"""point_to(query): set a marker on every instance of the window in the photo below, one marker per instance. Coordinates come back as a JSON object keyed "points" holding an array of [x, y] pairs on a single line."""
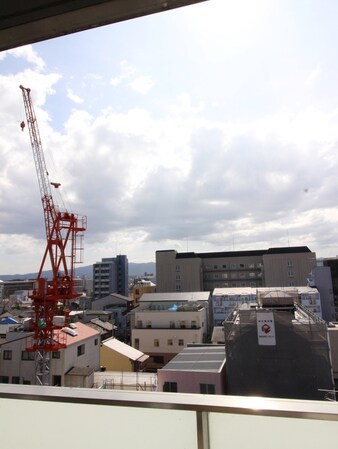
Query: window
{"points": [[215, 267], [7, 354], [139, 323], [170, 342], [290, 273], [56, 381], [178, 268], [207, 388], [180, 342], [182, 324], [15, 380], [290, 263], [156, 343], [178, 287], [80, 350], [232, 266], [193, 324], [137, 343], [4, 379], [148, 324], [27, 355], [291, 283], [96, 342], [178, 277], [56, 355], [241, 265], [170, 386], [172, 325], [158, 359]]}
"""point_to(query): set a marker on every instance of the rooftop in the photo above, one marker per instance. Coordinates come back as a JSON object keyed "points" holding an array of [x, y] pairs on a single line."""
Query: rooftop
{"points": [[201, 358], [250, 253], [175, 297], [126, 350]]}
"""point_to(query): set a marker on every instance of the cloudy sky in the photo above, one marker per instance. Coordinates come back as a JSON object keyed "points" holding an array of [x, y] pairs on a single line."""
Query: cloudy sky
{"points": [[208, 128]]}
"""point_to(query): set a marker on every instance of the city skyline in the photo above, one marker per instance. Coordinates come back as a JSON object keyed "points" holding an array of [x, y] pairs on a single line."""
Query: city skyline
{"points": [[207, 128]]}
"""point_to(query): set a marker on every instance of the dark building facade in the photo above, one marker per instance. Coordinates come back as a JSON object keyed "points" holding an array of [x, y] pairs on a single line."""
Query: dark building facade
{"points": [[277, 351], [110, 276]]}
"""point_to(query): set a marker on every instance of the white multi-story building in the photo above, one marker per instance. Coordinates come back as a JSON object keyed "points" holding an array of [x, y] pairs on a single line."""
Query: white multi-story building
{"points": [[164, 324], [72, 366]]}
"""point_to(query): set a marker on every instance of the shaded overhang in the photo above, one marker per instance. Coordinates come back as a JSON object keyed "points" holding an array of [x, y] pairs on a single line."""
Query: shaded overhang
{"points": [[24, 22]]}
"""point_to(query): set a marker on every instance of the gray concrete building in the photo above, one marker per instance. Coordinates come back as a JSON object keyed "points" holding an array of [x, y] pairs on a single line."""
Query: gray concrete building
{"points": [[110, 276], [273, 267]]}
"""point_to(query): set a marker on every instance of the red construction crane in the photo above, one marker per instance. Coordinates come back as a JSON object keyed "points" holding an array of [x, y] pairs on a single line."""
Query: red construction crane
{"points": [[64, 234]]}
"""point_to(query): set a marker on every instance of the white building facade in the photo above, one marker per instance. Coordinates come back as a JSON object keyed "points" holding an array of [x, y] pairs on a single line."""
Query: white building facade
{"points": [[82, 354], [164, 324]]}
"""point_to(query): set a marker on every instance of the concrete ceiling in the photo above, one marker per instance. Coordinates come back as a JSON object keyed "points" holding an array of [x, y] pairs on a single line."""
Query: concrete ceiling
{"points": [[26, 21]]}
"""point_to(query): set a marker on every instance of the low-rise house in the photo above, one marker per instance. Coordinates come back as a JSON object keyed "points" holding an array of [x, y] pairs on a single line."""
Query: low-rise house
{"points": [[119, 307], [197, 369], [142, 286], [72, 366], [105, 328], [118, 356]]}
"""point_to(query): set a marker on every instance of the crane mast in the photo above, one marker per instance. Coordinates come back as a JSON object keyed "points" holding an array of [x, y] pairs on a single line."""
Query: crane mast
{"points": [[64, 236]]}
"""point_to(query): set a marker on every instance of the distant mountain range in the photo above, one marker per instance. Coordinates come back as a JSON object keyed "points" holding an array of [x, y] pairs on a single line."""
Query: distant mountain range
{"points": [[135, 270]]}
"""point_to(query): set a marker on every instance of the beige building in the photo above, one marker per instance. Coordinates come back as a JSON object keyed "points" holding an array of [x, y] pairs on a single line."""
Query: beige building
{"points": [[117, 356], [142, 286], [274, 267], [164, 324]]}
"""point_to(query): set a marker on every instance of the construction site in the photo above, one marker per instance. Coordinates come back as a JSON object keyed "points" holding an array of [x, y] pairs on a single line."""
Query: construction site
{"points": [[278, 349]]}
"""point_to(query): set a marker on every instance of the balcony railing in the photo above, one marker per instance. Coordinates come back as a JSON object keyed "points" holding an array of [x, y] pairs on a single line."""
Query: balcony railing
{"points": [[50, 417]]}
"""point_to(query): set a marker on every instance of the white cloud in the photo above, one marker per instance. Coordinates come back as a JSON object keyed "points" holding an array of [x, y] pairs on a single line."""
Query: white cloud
{"points": [[73, 97], [233, 151], [29, 54], [142, 84], [313, 76], [126, 72]]}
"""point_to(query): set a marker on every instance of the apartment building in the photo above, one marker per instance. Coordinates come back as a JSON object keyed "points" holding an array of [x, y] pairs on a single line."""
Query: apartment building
{"points": [[164, 324], [110, 276], [274, 267]]}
